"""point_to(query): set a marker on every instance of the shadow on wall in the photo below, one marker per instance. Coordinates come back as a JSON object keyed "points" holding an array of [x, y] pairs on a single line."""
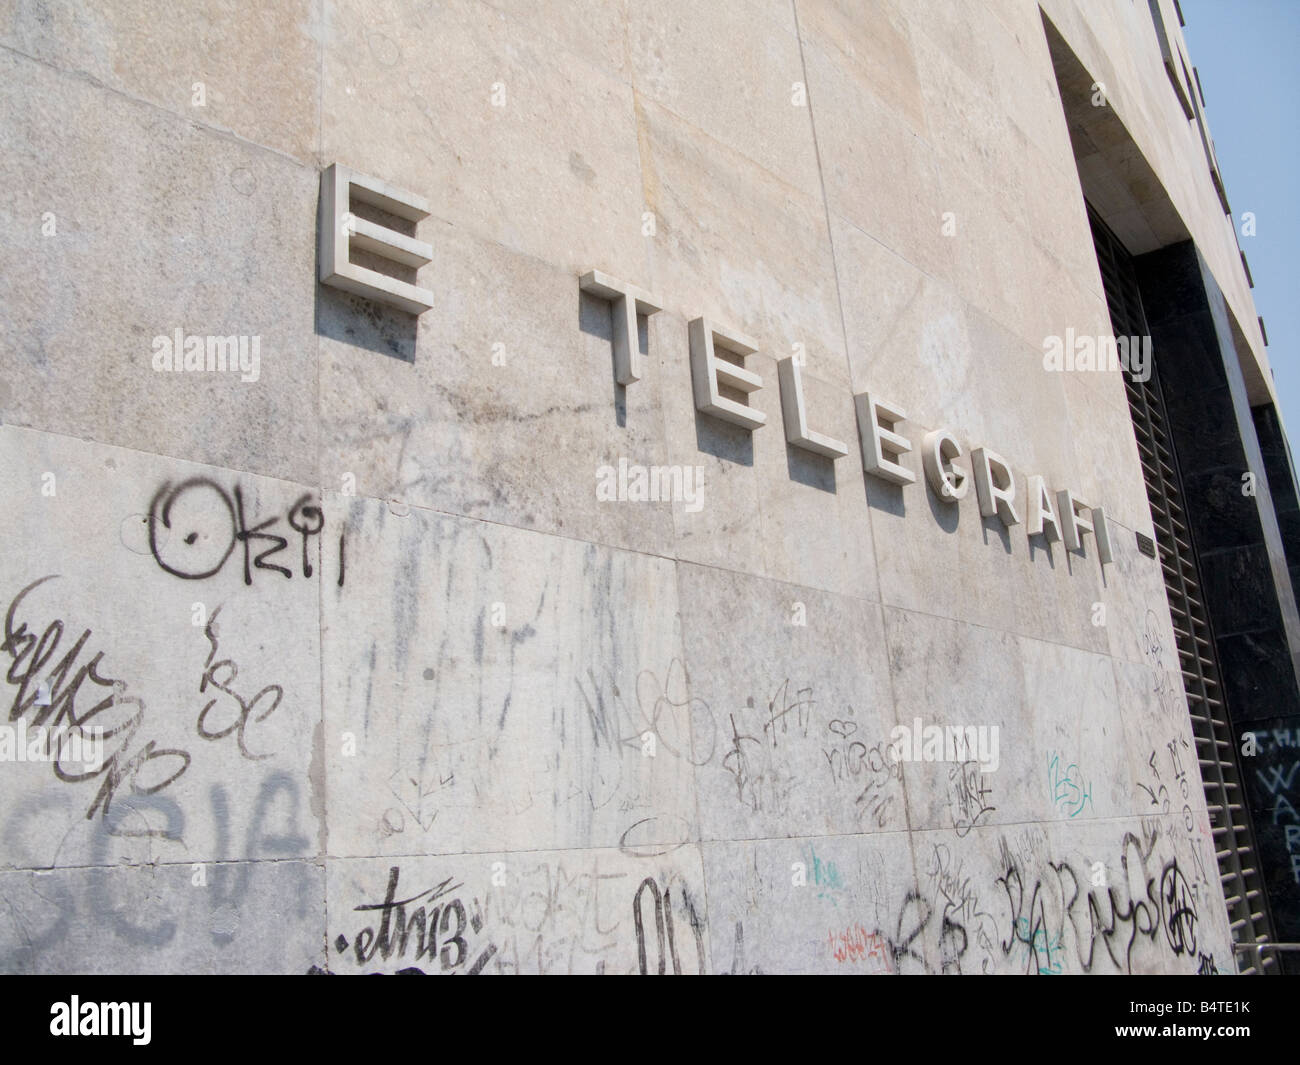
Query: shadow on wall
{"points": [[365, 324], [595, 319]]}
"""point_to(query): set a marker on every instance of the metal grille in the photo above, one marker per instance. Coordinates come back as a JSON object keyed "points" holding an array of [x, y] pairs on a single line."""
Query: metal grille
{"points": [[1233, 838]]}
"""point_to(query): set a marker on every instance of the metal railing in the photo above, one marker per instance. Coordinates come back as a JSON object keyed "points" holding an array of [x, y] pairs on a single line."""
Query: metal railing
{"points": [[1260, 964]]}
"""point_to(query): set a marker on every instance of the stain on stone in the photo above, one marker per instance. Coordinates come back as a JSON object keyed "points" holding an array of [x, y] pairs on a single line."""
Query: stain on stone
{"points": [[316, 782], [579, 166]]}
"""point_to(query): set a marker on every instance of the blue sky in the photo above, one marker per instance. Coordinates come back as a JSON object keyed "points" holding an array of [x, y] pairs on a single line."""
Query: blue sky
{"points": [[1245, 51]]}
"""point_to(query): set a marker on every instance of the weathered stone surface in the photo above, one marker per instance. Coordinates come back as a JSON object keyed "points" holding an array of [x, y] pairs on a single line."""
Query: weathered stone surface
{"points": [[207, 687], [188, 230], [497, 695], [250, 70], [394, 640]]}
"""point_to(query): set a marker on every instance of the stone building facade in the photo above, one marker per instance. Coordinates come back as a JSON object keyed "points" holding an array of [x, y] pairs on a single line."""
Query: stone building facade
{"points": [[634, 486]]}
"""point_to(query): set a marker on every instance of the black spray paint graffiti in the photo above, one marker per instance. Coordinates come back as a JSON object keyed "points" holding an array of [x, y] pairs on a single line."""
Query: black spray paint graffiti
{"points": [[195, 526], [905, 940], [1057, 920], [1117, 918], [220, 676], [665, 928], [965, 922], [546, 918], [49, 692], [437, 933]]}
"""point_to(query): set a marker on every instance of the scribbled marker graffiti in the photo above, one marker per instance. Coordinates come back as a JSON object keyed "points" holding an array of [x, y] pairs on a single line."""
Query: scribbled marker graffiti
{"points": [[1070, 792], [856, 944], [968, 796], [852, 759], [195, 526]]}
